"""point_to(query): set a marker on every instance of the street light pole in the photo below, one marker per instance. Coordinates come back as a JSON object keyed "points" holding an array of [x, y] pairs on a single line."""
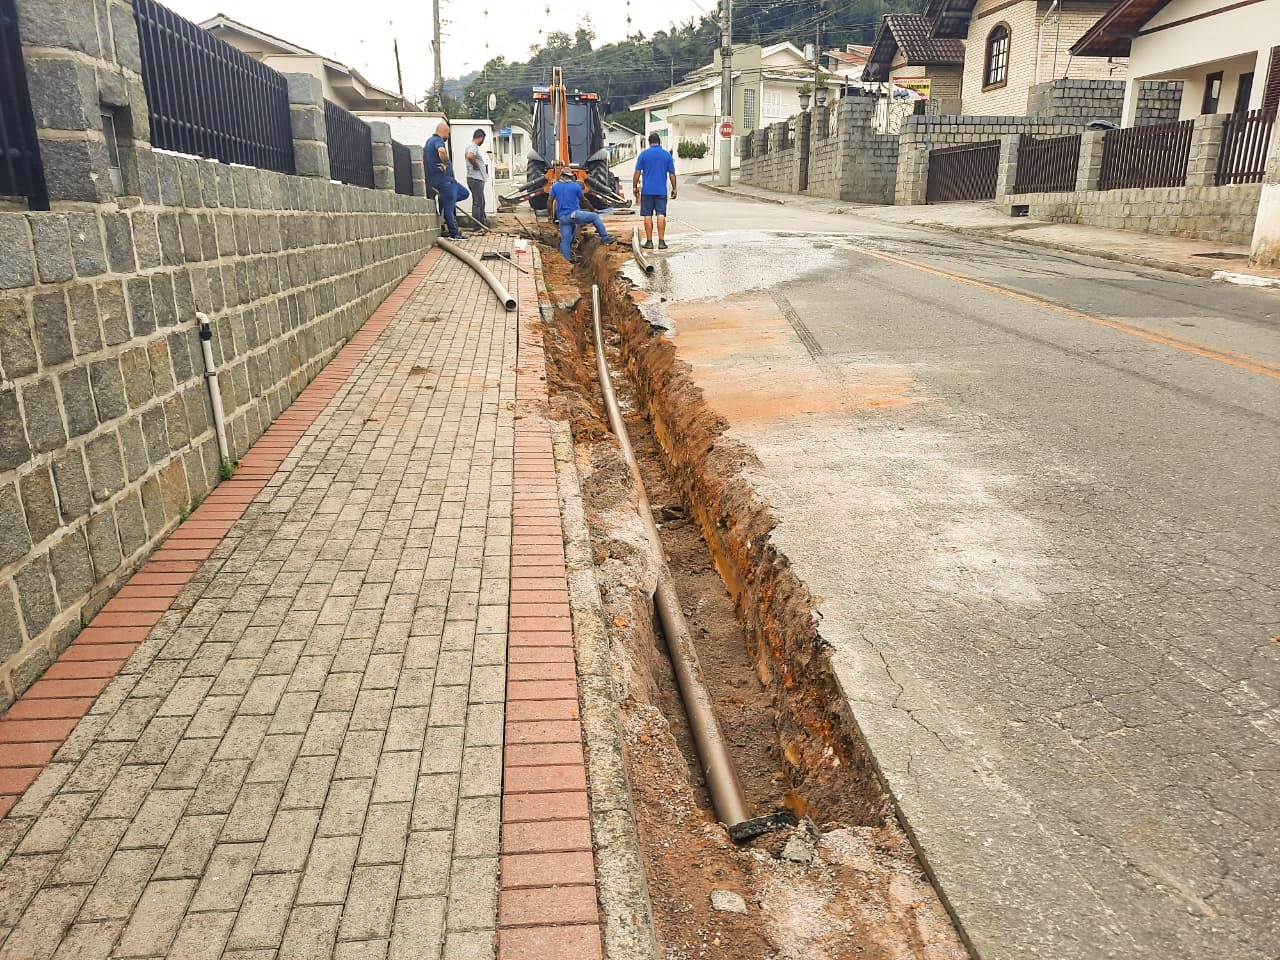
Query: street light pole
{"points": [[726, 88]]}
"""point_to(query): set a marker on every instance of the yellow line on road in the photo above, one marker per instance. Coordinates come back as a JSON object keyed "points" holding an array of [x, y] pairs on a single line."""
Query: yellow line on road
{"points": [[1230, 357]]}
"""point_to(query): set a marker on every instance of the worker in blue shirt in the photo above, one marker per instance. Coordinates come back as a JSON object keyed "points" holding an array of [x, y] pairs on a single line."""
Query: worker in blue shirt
{"points": [[655, 166], [566, 206], [439, 170]]}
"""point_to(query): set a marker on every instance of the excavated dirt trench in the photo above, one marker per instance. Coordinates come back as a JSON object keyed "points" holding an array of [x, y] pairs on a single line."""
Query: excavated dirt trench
{"points": [[863, 894]]}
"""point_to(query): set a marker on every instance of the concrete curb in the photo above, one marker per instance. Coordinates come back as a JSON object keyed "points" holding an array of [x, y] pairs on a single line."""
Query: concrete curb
{"points": [[1009, 235], [730, 192], [620, 877]]}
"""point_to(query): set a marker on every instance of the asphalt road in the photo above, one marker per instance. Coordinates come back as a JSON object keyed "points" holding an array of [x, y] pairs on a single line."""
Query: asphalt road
{"points": [[1039, 498]]}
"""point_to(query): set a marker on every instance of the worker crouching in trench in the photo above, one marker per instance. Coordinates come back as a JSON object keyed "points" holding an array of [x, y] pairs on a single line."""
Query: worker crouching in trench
{"points": [[567, 205]]}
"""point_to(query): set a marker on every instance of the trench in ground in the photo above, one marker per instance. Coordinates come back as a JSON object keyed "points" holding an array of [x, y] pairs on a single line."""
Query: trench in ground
{"points": [[792, 741]]}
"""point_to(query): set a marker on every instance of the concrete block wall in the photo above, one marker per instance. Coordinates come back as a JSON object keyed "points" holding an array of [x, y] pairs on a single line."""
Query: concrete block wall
{"points": [[851, 162], [105, 422], [772, 166], [1222, 214], [1079, 100]]}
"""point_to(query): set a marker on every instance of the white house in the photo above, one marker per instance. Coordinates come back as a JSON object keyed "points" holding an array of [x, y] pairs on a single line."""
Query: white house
{"points": [[510, 149], [342, 84], [414, 128], [766, 81], [1227, 54]]}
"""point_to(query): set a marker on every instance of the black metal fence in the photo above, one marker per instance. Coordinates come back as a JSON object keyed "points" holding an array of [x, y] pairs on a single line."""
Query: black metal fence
{"points": [[966, 172], [404, 168], [1245, 138], [1152, 156], [1047, 165], [350, 146], [21, 174], [207, 98]]}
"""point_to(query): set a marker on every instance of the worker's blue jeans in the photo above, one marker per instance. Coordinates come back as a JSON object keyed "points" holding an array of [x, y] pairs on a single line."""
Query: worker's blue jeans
{"points": [[570, 224], [450, 193]]}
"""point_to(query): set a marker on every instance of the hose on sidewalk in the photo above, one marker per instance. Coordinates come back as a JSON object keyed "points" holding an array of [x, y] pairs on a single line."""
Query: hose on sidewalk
{"points": [[504, 296], [708, 737]]}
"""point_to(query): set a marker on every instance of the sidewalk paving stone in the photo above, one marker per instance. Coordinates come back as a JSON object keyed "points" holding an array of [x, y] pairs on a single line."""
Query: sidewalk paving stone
{"points": [[284, 737]]}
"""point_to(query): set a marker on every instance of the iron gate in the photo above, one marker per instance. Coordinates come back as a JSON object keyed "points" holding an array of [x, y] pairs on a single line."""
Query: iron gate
{"points": [[21, 173], [966, 172]]}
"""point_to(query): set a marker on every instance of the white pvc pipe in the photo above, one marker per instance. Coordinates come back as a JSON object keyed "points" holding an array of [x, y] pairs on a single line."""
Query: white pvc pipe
{"points": [[211, 379], [1040, 35]]}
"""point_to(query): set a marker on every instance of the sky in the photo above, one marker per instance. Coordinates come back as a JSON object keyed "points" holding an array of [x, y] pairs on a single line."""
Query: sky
{"points": [[360, 33]]}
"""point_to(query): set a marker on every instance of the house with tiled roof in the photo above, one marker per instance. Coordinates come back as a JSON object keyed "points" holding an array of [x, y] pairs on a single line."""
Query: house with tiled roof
{"points": [[1227, 54], [906, 49], [986, 55]]}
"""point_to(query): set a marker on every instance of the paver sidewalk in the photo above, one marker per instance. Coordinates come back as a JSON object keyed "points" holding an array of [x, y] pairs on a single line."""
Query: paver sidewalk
{"points": [[303, 755]]}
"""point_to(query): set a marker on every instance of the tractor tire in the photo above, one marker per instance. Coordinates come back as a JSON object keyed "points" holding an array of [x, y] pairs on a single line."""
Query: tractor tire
{"points": [[536, 172]]}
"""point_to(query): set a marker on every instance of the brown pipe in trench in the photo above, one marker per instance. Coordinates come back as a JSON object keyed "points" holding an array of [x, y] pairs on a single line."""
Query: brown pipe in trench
{"points": [[645, 265], [713, 754], [504, 296]]}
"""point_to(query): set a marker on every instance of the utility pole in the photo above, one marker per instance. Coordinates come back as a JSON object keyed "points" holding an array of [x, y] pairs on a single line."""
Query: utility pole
{"points": [[435, 49], [395, 46], [726, 88]]}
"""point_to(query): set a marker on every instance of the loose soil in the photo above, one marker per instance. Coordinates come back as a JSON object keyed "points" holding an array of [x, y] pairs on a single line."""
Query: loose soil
{"points": [[864, 894]]}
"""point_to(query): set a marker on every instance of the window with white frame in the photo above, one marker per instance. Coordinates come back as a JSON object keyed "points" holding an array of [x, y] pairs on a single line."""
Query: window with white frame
{"points": [[748, 109]]}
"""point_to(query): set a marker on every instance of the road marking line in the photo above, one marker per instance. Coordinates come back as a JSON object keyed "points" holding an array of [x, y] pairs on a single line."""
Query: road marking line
{"points": [[1222, 355]]}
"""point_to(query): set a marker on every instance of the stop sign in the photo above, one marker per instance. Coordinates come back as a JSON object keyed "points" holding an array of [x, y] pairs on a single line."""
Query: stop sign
{"points": [[726, 129]]}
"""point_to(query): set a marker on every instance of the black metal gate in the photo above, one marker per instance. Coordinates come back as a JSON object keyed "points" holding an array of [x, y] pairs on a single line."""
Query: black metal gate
{"points": [[21, 173], [966, 172]]}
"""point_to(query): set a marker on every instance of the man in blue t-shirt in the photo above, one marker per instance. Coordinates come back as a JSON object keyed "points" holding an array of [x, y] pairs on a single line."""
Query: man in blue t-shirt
{"points": [[439, 169], [566, 206], [655, 166]]}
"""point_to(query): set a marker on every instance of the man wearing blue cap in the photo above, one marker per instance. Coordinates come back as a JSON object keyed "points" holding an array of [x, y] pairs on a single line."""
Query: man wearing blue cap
{"points": [[567, 206]]}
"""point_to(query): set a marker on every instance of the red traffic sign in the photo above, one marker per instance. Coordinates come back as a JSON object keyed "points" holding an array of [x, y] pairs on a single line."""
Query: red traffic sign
{"points": [[726, 129]]}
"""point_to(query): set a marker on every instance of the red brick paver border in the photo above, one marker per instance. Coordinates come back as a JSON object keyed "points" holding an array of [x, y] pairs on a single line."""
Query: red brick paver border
{"points": [[547, 903], [38, 723]]}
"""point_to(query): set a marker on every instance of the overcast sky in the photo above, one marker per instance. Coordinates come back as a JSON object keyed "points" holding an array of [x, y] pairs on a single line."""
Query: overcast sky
{"points": [[360, 33]]}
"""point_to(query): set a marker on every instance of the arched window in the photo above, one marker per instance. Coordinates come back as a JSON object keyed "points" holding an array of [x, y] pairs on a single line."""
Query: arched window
{"points": [[996, 73]]}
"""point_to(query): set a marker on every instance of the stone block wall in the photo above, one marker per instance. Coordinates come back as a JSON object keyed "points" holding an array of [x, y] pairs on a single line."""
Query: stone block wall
{"points": [[846, 161], [1222, 214], [1077, 100], [105, 422], [772, 166]]}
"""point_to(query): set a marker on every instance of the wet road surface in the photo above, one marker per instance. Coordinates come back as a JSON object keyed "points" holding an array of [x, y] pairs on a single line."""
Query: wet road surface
{"points": [[1038, 497]]}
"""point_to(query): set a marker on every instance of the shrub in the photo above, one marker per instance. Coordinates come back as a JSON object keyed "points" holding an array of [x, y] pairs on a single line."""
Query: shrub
{"points": [[687, 150]]}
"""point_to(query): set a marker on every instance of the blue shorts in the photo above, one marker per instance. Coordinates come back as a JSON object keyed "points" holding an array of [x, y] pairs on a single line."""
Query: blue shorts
{"points": [[651, 203]]}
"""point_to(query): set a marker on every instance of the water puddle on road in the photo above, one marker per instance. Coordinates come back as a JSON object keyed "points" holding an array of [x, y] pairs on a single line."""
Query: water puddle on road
{"points": [[713, 266]]}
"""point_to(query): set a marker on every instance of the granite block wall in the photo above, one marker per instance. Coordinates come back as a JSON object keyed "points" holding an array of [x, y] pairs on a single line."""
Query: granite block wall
{"points": [[1223, 214], [1077, 100], [105, 422]]}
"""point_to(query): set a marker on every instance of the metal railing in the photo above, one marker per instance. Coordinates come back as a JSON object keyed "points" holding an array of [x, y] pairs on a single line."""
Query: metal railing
{"points": [[404, 168], [1153, 156], [1047, 165], [350, 146], [966, 172], [1245, 138], [21, 173], [208, 99]]}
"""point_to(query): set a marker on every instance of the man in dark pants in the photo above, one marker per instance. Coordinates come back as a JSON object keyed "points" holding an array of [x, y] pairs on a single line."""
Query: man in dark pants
{"points": [[655, 166], [477, 177], [439, 168]]}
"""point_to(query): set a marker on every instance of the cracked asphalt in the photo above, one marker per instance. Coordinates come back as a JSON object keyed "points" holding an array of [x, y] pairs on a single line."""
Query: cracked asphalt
{"points": [[1036, 495]]}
